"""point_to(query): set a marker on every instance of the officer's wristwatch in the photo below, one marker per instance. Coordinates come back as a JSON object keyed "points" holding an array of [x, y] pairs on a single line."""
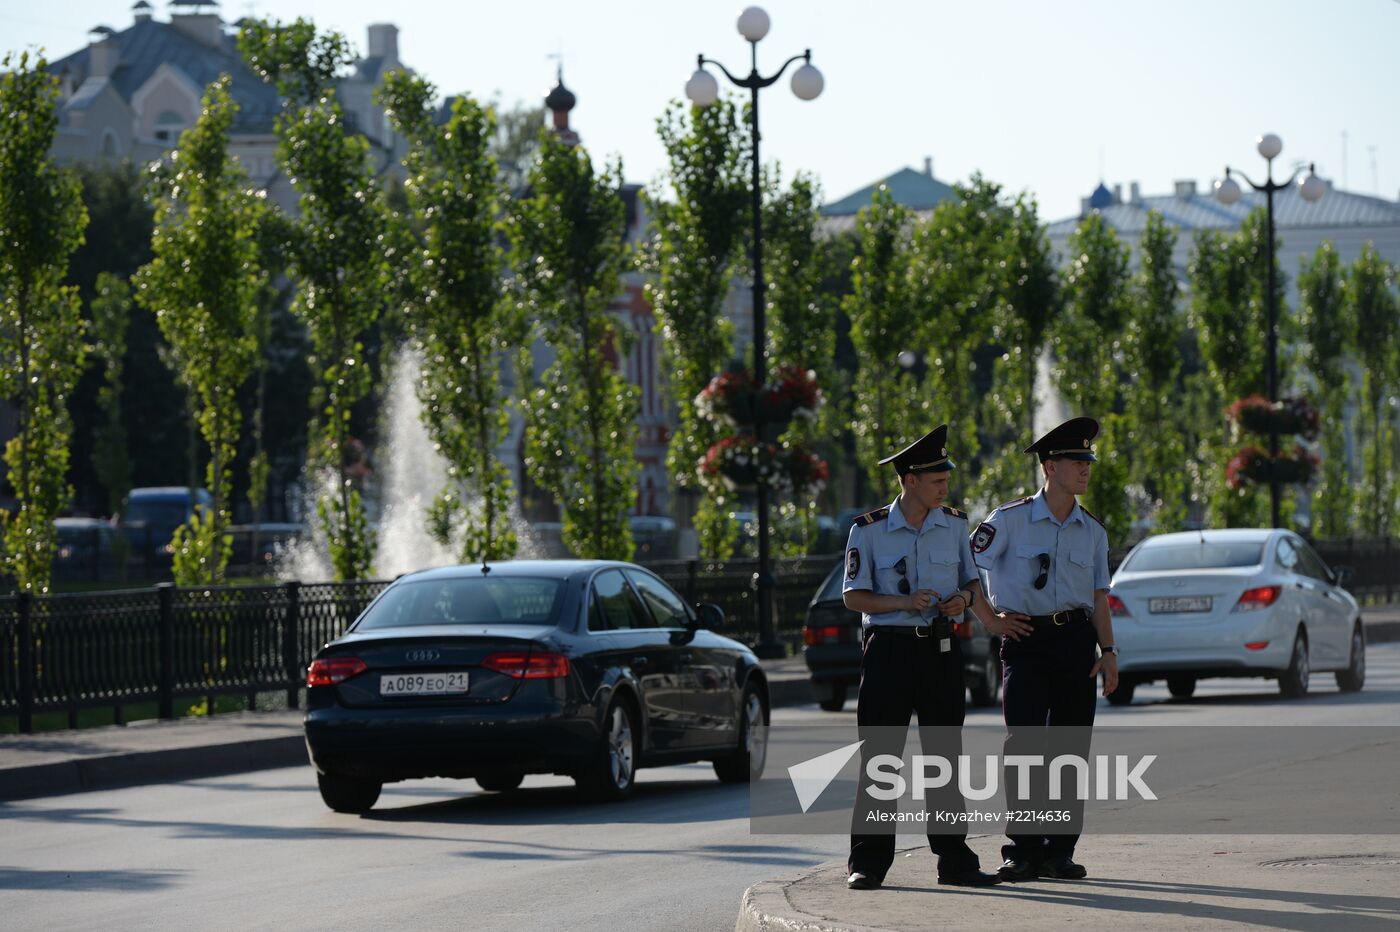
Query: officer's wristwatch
{"points": [[1109, 649]]}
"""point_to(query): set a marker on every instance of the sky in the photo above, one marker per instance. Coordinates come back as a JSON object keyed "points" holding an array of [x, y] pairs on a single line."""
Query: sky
{"points": [[1045, 97]]}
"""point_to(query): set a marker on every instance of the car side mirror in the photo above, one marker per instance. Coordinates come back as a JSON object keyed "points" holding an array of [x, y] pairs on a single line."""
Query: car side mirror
{"points": [[1341, 575], [709, 616]]}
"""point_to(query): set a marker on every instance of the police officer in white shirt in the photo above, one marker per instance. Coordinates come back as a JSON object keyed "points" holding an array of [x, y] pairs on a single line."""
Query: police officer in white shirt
{"points": [[1046, 558], [910, 573]]}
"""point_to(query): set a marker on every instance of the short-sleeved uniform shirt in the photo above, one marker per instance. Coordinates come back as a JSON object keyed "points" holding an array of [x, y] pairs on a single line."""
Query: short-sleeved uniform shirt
{"points": [[936, 556], [1009, 545]]}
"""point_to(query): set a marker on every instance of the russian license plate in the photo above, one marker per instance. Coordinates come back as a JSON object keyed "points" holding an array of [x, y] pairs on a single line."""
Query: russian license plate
{"points": [[422, 684], [1180, 605]]}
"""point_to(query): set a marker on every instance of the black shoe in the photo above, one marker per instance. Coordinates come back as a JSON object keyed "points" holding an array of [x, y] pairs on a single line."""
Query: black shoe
{"points": [[1014, 871], [859, 881], [972, 877], [1062, 868]]}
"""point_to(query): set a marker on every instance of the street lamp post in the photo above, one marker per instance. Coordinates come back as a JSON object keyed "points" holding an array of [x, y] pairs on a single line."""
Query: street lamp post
{"points": [[1227, 191], [703, 91]]}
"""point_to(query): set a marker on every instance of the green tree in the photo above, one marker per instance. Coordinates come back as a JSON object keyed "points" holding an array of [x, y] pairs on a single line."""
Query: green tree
{"points": [[955, 277], [515, 142], [1228, 275], [111, 308], [336, 252], [1372, 285], [801, 331], [203, 286], [1089, 362], [1155, 327], [692, 258], [41, 328], [1028, 304], [1328, 331], [581, 421], [458, 316], [890, 408]]}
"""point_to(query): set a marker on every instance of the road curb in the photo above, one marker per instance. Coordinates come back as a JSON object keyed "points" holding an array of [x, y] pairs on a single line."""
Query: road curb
{"points": [[765, 907], [141, 767]]}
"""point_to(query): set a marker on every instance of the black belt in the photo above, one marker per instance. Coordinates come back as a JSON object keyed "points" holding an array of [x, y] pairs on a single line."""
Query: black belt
{"points": [[1062, 618], [939, 628]]}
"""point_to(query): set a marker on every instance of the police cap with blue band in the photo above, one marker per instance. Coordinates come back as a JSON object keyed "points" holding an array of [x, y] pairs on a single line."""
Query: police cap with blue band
{"points": [[1072, 440]]}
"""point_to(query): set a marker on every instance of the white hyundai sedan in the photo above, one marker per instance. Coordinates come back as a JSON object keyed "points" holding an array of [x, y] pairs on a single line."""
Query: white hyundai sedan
{"points": [[1232, 603]]}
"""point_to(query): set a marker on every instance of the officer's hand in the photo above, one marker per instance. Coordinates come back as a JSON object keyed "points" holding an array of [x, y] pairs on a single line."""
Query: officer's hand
{"points": [[920, 600], [1108, 665], [953, 606], [1013, 625]]}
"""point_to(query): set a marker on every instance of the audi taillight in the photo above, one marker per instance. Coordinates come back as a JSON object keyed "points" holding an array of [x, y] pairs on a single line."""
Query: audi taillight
{"points": [[826, 634], [1252, 600], [331, 670], [534, 665], [1117, 608]]}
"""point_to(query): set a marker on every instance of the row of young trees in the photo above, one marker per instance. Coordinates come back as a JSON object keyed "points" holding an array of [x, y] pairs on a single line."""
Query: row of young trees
{"points": [[216, 250], [904, 323]]}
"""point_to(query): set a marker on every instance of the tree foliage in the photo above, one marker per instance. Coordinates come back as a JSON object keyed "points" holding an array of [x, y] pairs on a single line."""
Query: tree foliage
{"points": [[1372, 285], [1152, 344], [203, 286], [954, 291], [581, 421], [111, 460], [337, 253], [801, 330], [692, 256], [1028, 305], [457, 314], [1328, 330], [41, 329], [890, 409], [1089, 362]]}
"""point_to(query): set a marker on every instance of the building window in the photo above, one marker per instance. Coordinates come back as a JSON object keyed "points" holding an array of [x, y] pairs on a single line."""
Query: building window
{"points": [[168, 126], [109, 144]]}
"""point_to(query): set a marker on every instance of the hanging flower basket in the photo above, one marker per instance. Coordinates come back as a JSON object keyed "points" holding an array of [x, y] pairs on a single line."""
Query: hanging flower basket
{"points": [[741, 462], [805, 471], [733, 400], [1258, 415], [1252, 464]]}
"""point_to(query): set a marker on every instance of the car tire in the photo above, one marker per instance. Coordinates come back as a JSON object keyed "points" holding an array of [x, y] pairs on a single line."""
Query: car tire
{"points": [[348, 794], [748, 760], [1293, 682], [988, 690], [1353, 677], [612, 774], [500, 782], [1123, 695], [835, 698], [1181, 687]]}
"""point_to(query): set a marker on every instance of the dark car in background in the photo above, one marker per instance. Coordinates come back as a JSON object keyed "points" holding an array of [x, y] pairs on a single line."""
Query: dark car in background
{"points": [[150, 515], [833, 648], [585, 668]]}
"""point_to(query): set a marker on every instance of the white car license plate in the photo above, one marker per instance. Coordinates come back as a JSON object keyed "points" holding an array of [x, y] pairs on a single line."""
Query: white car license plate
{"points": [[422, 684], [1180, 605]]}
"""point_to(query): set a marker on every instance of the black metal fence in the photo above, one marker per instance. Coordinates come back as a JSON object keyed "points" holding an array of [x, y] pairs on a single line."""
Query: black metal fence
{"points": [[115, 649]]}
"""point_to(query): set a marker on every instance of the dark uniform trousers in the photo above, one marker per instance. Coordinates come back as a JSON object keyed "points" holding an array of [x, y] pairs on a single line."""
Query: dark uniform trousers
{"points": [[902, 674], [1046, 682]]}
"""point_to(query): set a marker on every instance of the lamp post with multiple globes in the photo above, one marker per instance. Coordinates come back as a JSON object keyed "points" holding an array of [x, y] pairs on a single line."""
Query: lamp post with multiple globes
{"points": [[703, 90], [1227, 191]]}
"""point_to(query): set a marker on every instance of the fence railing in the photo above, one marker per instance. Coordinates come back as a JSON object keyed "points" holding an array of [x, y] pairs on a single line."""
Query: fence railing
{"points": [[115, 649]]}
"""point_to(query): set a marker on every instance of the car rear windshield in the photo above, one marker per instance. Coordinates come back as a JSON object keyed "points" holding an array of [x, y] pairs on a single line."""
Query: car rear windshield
{"points": [[493, 600], [1197, 555], [831, 588]]}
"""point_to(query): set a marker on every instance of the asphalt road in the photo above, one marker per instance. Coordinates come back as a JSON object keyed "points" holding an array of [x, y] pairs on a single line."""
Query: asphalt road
{"points": [[260, 851]]}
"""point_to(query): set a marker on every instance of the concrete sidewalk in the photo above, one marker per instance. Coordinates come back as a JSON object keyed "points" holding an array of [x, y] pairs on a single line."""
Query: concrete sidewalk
{"points": [[152, 751], [1135, 881]]}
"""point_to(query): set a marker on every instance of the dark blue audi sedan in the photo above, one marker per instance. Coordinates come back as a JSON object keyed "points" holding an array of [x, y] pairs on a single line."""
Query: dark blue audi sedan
{"points": [[590, 669]]}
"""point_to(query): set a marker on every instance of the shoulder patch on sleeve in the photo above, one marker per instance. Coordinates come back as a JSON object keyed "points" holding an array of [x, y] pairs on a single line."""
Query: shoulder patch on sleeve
{"points": [[870, 517], [982, 537], [852, 563], [1094, 516], [949, 509]]}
